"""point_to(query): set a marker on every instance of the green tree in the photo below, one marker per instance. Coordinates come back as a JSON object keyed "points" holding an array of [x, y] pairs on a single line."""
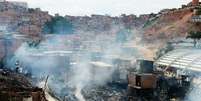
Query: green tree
{"points": [[199, 11], [58, 25], [195, 36]]}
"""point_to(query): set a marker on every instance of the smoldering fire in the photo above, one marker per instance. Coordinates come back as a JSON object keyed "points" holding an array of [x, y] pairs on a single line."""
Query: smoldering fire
{"points": [[73, 69]]}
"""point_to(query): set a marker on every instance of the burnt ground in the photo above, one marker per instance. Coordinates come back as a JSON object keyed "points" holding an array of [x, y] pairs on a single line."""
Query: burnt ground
{"points": [[12, 79], [15, 86], [109, 92]]}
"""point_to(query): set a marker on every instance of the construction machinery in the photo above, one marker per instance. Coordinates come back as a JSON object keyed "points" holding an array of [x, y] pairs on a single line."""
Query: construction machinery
{"points": [[148, 83]]}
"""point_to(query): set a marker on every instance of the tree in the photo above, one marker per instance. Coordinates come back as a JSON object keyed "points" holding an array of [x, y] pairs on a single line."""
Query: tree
{"points": [[58, 25], [198, 11], [195, 36]]}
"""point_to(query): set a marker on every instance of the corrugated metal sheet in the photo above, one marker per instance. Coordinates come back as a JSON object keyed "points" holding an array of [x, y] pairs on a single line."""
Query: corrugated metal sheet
{"points": [[189, 59]]}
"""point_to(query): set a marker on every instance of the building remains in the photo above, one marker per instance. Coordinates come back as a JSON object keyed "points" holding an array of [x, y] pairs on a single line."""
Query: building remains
{"points": [[167, 78], [15, 86]]}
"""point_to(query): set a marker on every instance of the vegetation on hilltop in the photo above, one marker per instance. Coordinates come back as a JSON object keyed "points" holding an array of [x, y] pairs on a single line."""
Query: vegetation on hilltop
{"points": [[58, 25], [195, 36]]}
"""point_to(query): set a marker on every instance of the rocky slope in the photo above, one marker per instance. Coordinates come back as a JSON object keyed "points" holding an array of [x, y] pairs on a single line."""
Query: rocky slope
{"points": [[172, 25]]}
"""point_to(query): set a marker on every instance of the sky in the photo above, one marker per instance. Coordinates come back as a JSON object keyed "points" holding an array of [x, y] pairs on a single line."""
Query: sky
{"points": [[103, 7]]}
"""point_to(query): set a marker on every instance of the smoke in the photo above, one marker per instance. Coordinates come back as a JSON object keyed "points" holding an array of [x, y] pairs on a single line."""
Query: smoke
{"points": [[33, 60], [81, 77], [195, 90], [78, 94], [76, 61]]}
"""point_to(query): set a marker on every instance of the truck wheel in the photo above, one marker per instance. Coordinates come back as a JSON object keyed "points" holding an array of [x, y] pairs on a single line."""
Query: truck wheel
{"points": [[162, 90], [130, 91]]}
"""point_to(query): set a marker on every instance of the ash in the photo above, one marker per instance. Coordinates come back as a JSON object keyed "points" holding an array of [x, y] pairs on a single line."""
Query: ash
{"points": [[109, 92]]}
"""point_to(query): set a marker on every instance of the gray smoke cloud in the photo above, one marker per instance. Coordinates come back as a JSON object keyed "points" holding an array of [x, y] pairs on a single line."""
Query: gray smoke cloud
{"points": [[88, 63], [195, 90]]}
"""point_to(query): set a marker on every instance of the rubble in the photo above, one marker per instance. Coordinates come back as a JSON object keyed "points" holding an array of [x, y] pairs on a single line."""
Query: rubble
{"points": [[109, 92], [16, 87], [74, 54], [105, 93]]}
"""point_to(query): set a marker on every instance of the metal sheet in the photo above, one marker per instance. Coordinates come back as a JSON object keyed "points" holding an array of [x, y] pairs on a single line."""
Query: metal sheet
{"points": [[189, 59]]}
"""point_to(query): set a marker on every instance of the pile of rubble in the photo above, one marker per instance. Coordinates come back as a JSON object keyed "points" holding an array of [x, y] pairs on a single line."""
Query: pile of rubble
{"points": [[17, 87], [105, 93], [11, 79]]}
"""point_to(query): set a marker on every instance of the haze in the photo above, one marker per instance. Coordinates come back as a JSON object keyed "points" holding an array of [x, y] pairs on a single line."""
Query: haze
{"points": [[110, 7]]}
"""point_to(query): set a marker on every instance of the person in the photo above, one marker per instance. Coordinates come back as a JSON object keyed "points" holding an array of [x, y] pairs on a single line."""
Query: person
{"points": [[17, 66], [1, 63]]}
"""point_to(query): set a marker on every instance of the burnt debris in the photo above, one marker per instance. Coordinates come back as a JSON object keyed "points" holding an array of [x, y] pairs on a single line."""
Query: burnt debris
{"points": [[17, 87]]}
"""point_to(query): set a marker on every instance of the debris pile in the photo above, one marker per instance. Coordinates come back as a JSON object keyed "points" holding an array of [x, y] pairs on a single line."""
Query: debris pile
{"points": [[10, 79], [16, 87], [105, 93]]}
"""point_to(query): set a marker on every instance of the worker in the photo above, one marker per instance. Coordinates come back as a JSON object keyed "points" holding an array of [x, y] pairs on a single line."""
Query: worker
{"points": [[17, 66]]}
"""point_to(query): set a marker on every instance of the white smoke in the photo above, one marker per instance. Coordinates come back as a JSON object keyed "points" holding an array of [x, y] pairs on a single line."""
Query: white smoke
{"points": [[194, 93], [78, 94], [74, 77]]}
